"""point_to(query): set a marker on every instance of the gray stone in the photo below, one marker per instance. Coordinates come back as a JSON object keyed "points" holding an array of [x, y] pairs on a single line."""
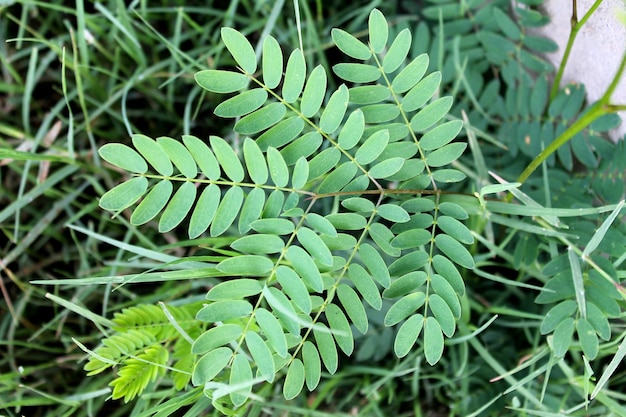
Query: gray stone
{"points": [[597, 51]]}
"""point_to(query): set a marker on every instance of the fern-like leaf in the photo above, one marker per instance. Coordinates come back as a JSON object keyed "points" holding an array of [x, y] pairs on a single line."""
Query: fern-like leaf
{"points": [[139, 348], [138, 372], [378, 149]]}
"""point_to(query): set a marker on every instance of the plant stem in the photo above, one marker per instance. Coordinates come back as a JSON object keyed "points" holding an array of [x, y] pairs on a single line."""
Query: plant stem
{"points": [[598, 109], [576, 26], [595, 111]]}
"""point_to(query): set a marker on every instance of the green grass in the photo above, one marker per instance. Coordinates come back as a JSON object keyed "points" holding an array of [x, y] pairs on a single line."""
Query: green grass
{"points": [[78, 75]]}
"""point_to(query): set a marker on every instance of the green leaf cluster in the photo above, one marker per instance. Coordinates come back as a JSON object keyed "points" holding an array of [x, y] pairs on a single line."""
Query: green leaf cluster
{"points": [[342, 210], [300, 282], [144, 344], [586, 296]]}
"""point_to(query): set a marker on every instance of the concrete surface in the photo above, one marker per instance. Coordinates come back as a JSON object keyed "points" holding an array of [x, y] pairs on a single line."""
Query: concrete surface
{"points": [[597, 51]]}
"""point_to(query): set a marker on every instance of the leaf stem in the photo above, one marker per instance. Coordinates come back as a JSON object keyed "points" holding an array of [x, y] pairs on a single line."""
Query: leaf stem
{"points": [[576, 26], [597, 110]]}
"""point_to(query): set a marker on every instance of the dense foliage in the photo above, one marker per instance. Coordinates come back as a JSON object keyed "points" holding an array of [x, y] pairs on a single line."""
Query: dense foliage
{"points": [[327, 211]]}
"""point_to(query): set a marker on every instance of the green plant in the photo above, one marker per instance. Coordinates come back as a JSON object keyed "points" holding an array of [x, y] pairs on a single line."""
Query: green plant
{"points": [[351, 211], [358, 212], [540, 311]]}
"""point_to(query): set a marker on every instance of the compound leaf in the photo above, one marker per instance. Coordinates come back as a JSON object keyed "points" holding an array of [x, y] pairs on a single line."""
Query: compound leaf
{"points": [[138, 372]]}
